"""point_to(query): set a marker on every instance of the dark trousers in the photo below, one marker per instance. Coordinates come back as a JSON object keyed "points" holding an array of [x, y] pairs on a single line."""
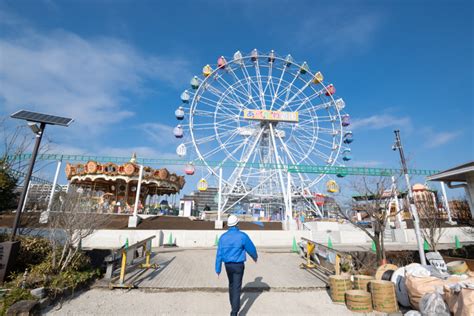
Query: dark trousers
{"points": [[235, 273]]}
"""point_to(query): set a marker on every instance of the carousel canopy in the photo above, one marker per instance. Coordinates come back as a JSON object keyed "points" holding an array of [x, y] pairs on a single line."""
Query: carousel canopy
{"points": [[159, 180]]}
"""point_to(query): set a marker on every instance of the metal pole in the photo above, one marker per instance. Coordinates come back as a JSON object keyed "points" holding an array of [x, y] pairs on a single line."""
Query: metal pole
{"points": [[219, 196], [446, 203], [414, 212], [53, 189], [39, 136], [289, 215], [397, 205], [277, 160], [139, 186], [26, 198]]}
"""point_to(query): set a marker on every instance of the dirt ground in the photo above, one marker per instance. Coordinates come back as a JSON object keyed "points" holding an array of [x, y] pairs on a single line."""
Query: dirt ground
{"points": [[157, 222], [136, 302]]}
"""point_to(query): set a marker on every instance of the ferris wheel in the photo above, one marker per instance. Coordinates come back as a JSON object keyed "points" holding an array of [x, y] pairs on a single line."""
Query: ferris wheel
{"points": [[261, 110]]}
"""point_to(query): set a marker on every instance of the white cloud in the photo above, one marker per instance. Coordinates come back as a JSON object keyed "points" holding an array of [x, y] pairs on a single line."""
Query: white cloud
{"points": [[380, 121], [160, 133], [340, 31], [438, 138], [90, 80]]}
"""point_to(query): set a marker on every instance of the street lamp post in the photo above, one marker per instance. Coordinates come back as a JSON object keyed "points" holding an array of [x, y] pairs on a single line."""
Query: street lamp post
{"points": [[39, 136], [413, 211], [9, 249]]}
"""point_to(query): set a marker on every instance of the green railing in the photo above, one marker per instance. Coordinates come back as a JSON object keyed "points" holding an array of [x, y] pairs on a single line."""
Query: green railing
{"points": [[335, 170]]}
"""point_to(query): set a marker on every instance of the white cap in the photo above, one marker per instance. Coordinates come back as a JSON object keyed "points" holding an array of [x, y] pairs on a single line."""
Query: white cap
{"points": [[232, 220]]}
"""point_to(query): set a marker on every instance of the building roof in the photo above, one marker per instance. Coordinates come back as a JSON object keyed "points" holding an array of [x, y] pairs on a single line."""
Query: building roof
{"points": [[456, 174]]}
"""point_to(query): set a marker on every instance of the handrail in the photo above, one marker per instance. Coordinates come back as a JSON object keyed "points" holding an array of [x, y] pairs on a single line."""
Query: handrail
{"points": [[324, 169], [323, 252], [125, 250]]}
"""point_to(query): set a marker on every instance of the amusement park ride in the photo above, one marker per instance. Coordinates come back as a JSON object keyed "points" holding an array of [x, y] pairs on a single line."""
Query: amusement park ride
{"points": [[268, 128], [262, 109]]}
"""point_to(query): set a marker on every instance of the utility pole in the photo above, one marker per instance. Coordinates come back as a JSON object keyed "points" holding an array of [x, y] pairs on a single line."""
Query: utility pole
{"points": [[413, 211]]}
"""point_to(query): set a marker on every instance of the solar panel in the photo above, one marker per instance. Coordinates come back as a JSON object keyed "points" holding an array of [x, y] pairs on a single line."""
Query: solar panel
{"points": [[42, 118]]}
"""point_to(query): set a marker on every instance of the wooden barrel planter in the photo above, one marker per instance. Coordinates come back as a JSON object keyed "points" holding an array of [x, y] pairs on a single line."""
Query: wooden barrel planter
{"points": [[384, 298], [359, 301], [457, 267], [361, 282], [339, 285]]}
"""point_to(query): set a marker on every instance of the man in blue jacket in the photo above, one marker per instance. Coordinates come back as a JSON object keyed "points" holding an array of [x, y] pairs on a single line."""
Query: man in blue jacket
{"points": [[231, 250]]}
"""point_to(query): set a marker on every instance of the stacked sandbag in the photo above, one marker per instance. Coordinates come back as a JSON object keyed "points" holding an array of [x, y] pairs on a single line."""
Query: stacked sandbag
{"points": [[383, 296], [460, 298], [359, 301], [419, 283], [339, 284]]}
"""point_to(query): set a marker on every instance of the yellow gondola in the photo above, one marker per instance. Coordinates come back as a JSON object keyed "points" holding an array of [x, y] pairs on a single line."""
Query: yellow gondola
{"points": [[318, 78], [332, 186], [206, 70], [202, 185]]}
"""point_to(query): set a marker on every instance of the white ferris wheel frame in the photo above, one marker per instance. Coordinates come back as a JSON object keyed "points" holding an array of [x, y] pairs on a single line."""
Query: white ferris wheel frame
{"points": [[206, 85]]}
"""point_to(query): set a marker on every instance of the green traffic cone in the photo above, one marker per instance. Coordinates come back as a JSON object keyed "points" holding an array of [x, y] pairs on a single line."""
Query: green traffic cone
{"points": [[457, 242], [329, 243], [426, 246], [170, 240], [216, 241], [126, 244], [374, 248], [294, 248]]}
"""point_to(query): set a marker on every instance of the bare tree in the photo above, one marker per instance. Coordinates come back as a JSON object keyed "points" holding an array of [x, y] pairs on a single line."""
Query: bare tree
{"points": [[17, 139], [72, 219], [372, 200], [431, 219]]}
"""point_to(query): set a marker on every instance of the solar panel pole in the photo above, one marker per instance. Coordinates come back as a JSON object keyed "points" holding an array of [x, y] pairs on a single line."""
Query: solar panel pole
{"points": [[39, 136]]}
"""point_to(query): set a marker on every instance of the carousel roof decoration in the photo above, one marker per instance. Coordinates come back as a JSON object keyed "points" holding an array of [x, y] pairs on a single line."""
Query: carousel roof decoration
{"points": [[92, 172]]}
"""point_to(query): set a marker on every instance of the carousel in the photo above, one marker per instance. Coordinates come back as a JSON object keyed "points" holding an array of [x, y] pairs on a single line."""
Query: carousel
{"points": [[113, 186]]}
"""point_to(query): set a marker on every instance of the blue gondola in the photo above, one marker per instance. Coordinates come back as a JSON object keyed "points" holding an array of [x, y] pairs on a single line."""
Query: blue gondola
{"points": [[348, 138]]}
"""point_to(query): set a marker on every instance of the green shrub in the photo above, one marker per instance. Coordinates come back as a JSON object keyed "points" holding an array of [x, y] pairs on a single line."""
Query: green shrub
{"points": [[33, 250], [13, 296], [70, 280]]}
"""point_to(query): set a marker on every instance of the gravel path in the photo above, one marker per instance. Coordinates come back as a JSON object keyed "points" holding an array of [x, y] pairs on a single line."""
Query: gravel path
{"points": [[136, 302]]}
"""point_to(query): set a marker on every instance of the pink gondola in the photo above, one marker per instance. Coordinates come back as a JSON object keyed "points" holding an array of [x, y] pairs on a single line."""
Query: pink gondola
{"points": [[221, 62], [330, 90]]}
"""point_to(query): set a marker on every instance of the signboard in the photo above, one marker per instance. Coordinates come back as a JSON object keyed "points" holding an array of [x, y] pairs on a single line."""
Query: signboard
{"points": [[268, 115], [8, 254]]}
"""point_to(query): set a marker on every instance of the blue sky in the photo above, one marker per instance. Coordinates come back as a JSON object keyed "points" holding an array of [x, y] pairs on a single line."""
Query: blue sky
{"points": [[118, 68]]}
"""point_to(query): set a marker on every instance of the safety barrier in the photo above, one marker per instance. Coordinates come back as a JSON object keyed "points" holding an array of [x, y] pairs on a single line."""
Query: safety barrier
{"points": [[125, 253], [323, 258]]}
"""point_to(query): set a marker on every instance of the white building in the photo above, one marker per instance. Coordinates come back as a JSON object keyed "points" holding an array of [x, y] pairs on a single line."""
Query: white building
{"points": [[459, 177]]}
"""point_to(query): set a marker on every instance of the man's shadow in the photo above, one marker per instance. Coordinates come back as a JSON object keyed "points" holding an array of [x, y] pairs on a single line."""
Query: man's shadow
{"points": [[251, 291]]}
